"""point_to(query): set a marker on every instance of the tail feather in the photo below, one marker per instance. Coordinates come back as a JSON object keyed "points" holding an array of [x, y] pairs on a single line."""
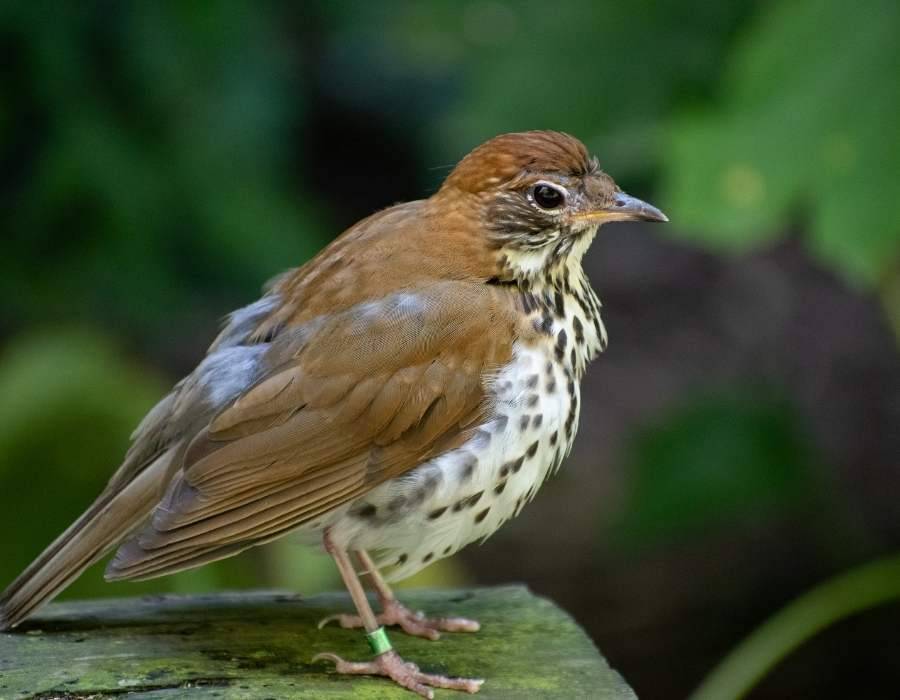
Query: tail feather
{"points": [[111, 518]]}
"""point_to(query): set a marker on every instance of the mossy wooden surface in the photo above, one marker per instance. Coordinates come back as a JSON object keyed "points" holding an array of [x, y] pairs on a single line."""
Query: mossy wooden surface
{"points": [[251, 646]]}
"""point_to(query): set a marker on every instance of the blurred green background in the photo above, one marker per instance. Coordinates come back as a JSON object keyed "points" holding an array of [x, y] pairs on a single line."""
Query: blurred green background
{"points": [[740, 439]]}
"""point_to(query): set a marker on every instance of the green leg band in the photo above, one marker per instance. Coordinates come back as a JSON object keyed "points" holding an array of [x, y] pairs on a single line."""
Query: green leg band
{"points": [[378, 641]]}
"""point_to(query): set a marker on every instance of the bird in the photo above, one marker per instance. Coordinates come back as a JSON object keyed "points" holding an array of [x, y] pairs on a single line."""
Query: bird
{"points": [[399, 396]]}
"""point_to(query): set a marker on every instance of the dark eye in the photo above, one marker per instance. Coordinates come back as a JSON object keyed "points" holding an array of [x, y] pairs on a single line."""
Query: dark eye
{"points": [[547, 197]]}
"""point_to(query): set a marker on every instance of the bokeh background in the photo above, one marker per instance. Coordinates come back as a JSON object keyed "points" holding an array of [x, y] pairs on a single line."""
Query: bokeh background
{"points": [[740, 439]]}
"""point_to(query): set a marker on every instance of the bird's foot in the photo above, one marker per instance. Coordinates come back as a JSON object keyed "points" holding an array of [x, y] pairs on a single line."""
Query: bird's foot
{"points": [[413, 623], [406, 674]]}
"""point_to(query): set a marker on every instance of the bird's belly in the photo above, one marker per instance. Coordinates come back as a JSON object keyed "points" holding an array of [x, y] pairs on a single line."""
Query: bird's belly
{"points": [[467, 493]]}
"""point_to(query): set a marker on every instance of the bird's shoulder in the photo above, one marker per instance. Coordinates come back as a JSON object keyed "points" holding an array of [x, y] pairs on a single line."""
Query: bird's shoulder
{"points": [[405, 246]]}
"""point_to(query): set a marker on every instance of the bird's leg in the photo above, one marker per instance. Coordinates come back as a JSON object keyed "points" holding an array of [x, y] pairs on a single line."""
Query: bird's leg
{"points": [[387, 662], [414, 623], [395, 613]]}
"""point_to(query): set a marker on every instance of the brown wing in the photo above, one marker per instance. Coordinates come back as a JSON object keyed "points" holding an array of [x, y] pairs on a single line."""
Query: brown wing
{"points": [[346, 403]]}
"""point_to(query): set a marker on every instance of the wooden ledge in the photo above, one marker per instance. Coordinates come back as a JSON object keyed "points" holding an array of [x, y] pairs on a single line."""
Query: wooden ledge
{"points": [[258, 645]]}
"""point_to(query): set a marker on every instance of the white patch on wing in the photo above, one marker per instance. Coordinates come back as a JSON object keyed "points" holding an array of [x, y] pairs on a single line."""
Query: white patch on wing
{"points": [[225, 374], [244, 321]]}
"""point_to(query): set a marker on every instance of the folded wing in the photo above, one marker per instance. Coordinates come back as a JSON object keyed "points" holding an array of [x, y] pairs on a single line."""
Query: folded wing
{"points": [[344, 403]]}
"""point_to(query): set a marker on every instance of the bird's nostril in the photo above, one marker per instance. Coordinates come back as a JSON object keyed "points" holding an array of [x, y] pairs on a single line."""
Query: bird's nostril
{"points": [[620, 202]]}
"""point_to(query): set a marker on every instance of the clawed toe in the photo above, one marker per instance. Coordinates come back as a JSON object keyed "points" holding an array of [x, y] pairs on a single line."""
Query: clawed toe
{"points": [[416, 624], [408, 675], [413, 623]]}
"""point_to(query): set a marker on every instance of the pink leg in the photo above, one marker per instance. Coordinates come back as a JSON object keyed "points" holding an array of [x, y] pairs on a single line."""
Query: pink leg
{"points": [[395, 613], [388, 663]]}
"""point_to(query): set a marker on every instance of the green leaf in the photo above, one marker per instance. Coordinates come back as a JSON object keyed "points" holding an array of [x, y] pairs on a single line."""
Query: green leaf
{"points": [[806, 125]]}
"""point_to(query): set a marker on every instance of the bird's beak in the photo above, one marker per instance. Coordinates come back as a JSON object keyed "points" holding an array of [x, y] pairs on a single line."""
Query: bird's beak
{"points": [[625, 208]]}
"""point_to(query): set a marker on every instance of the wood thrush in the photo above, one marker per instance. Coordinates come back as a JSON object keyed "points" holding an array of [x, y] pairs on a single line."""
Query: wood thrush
{"points": [[404, 393]]}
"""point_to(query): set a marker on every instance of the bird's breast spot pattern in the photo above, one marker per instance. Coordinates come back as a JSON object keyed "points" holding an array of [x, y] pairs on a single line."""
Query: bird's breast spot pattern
{"points": [[468, 493]]}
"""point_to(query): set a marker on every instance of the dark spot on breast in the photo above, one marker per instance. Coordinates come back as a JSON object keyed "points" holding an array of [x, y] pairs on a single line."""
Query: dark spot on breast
{"points": [[537, 420], [533, 400], [554, 438], [367, 510], [561, 341], [447, 549], [500, 422], [467, 501], [546, 326], [517, 465], [579, 329], [468, 468], [402, 559], [551, 386], [532, 381], [397, 503], [498, 489], [582, 304], [559, 303], [428, 557], [482, 515], [431, 483], [570, 387], [573, 357], [524, 421], [437, 513], [527, 302], [532, 449]]}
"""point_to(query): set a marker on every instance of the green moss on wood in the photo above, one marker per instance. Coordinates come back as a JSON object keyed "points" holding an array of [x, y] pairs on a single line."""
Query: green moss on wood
{"points": [[252, 646]]}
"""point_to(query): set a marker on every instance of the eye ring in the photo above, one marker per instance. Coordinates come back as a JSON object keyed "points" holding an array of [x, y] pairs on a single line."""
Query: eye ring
{"points": [[548, 196]]}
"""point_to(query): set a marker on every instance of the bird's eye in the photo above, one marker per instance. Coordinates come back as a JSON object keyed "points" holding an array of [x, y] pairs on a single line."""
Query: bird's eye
{"points": [[547, 196]]}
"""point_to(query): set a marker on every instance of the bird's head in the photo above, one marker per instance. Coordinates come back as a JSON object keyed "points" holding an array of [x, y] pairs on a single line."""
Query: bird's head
{"points": [[540, 197]]}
